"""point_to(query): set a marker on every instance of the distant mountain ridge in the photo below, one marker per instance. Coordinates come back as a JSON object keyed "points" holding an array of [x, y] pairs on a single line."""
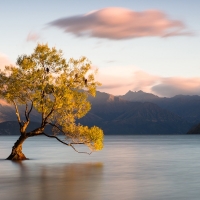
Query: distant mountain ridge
{"points": [[186, 106], [133, 113], [102, 97], [139, 96], [12, 127], [118, 115], [135, 118]]}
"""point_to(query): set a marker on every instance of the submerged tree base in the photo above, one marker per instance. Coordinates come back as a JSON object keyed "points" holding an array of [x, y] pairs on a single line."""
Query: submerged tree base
{"points": [[17, 153], [16, 156]]}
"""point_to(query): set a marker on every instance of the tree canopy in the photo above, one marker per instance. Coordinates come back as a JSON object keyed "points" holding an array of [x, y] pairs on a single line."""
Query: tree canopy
{"points": [[58, 90]]}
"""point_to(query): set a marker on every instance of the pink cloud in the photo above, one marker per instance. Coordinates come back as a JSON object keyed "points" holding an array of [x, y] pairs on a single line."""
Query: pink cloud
{"points": [[120, 23], [4, 103], [177, 85], [140, 80], [115, 85], [33, 37], [166, 86], [4, 60], [115, 80]]}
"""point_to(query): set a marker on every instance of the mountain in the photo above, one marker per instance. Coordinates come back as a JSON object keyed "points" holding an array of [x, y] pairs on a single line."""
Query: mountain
{"points": [[123, 117], [194, 129], [139, 96], [132, 113], [12, 128], [6, 113], [185, 106], [102, 97]]}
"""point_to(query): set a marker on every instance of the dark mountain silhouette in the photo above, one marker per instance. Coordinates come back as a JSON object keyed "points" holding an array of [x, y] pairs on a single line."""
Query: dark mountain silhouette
{"points": [[132, 113], [102, 97], [194, 129], [139, 96], [6, 113], [134, 118], [12, 127], [188, 107], [185, 106]]}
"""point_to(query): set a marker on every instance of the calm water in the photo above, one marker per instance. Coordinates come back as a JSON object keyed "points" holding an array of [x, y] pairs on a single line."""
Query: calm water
{"points": [[129, 167]]}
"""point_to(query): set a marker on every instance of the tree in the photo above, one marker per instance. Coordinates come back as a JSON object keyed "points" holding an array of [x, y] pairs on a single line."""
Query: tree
{"points": [[57, 89]]}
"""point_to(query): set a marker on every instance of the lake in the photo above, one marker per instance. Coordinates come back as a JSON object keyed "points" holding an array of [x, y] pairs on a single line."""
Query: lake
{"points": [[136, 167]]}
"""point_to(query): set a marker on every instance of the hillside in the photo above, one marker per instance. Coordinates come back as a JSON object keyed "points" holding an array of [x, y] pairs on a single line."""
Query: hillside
{"points": [[132, 113], [186, 106], [139, 96], [135, 118], [12, 128]]}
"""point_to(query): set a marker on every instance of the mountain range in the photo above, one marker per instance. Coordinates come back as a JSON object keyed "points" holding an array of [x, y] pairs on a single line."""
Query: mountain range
{"points": [[186, 106], [132, 113]]}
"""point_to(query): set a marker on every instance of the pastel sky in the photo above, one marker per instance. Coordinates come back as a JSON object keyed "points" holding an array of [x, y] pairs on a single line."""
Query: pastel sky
{"points": [[148, 45]]}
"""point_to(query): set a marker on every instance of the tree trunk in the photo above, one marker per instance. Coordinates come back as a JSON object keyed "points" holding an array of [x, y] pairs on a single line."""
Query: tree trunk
{"points": [[17, 153]]}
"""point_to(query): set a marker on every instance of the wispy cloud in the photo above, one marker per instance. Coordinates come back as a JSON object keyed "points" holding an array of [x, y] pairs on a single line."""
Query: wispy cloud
{"points": [[141, 80], [34, 37], [166, 86], [115, 80], [120, 23], [177, 85]]}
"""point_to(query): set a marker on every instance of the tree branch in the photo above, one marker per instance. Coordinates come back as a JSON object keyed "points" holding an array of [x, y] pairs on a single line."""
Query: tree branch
{"points": [[70, 144], [42, 99], [46, 118], [64, 133], [54, 125], [79, 151], [35, 132], [30, 109], [52, 136], [17, 113], [26, 113], [57, 128]]}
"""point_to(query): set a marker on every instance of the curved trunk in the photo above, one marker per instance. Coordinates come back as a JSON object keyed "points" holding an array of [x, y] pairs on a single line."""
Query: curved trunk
{"points": [[17, 153]]}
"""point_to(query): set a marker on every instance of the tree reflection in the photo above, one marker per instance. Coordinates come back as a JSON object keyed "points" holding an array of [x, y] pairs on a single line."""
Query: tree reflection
{"points": [[71, 181]]}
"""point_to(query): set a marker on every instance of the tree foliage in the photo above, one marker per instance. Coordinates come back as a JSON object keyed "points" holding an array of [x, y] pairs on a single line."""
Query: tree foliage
{"points": [[57, 89]]}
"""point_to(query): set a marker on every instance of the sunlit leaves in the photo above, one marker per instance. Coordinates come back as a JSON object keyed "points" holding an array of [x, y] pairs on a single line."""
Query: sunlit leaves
{"points": [[92, 137], [58, 90]]}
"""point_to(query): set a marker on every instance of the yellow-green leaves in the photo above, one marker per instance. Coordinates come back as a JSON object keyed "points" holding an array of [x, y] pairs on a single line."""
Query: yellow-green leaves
{"points": [[92, 137], [58, 89]]}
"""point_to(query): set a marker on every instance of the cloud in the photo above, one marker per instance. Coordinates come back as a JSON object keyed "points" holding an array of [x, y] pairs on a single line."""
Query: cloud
{"points": [[115, 80], [4, 60], [144, 81], [33, 37], [177, 85], [4, 103], [166, 86], [119, 23], [121, 81]]}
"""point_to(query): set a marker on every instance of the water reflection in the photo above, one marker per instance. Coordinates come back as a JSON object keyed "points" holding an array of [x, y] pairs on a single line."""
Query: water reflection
{"points": [[134, 168], [68, 181]]}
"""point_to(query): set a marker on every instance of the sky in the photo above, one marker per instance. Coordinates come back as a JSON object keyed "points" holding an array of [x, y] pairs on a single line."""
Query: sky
{"points": [[147, 45]]}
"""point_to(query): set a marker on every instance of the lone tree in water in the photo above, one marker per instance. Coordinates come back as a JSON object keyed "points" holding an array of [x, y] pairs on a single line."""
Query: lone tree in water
{"points": [[57, 90]]}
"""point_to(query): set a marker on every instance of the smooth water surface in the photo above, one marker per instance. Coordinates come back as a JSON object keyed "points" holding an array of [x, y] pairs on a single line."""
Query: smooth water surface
{"points": [[129, 167]]}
